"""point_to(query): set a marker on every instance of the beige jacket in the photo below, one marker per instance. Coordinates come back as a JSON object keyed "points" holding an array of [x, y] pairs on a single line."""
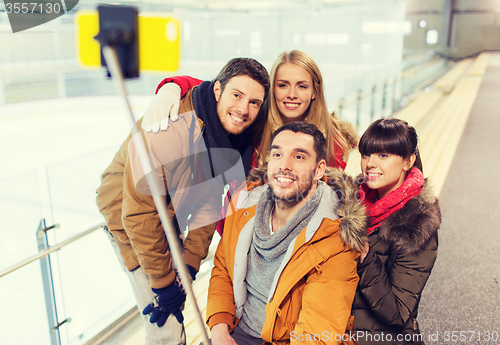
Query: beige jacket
{"points": [[123, 197]]}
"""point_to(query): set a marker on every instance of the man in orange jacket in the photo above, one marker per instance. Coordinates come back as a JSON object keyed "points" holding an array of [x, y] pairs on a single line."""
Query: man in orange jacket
{"points": [[285, 269]]}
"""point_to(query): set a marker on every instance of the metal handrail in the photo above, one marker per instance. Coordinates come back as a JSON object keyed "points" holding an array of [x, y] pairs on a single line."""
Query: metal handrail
{"points": [[50, 250], [369, 94]]}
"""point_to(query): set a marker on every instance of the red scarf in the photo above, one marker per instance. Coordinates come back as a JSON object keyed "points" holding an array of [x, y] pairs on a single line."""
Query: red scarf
{"points": [[379, 210]]}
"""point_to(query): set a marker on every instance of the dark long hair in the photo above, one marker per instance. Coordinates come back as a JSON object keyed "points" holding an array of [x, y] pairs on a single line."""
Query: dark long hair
{"points": [[392, 136]]}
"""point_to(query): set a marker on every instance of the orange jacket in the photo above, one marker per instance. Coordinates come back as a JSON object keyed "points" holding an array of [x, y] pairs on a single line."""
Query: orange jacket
{"points": [[314, 288]]}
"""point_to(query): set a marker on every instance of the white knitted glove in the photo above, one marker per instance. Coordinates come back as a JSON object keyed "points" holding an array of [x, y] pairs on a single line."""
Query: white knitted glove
{"points": [[164, 105]]}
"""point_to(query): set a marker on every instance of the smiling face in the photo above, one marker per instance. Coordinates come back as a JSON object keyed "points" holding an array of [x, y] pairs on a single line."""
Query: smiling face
{"points": [[239, 104], [292, 169], [385, 172], [293, 92]]}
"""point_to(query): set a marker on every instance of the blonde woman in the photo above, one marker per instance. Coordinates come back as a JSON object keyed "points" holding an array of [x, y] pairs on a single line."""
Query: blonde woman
{"points": [[297, 94]]}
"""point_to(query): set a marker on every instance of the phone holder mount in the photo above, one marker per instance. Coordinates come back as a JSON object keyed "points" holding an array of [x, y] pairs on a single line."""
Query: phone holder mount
{"points": [[119, 29]]}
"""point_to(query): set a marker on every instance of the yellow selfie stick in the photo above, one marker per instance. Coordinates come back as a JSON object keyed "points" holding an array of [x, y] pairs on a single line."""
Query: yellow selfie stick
{"points": [[159, 38]]}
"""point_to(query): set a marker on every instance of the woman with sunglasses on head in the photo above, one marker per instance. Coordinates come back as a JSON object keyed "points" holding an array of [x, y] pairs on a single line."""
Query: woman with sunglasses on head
{"points": [[404, 218]]}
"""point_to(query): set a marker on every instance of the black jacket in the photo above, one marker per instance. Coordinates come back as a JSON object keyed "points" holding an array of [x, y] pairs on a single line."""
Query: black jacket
{"points": [[392, 276]]}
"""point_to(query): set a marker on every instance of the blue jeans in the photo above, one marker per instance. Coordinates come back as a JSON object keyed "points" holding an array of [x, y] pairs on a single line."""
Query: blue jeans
{"points": [[172, 332]]}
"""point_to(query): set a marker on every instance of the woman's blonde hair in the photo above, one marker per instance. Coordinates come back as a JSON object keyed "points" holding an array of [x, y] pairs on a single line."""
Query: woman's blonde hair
{"points": [[317, 113]]}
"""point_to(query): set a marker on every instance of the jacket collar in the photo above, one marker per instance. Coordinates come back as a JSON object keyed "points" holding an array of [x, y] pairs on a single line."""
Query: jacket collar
{"points": [[349, 208], [409, 228]]}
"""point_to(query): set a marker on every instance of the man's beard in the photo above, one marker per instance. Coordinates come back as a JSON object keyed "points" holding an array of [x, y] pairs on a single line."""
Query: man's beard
{"points": [[289, 202]]}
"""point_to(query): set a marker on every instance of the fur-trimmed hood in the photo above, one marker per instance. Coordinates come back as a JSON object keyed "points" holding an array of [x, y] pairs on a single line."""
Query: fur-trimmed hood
{"points": [[410, 227], [349, 208], [348, 132]]}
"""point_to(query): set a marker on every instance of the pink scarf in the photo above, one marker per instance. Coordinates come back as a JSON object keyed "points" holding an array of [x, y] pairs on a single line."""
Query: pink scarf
{"points": [[379, 210]]}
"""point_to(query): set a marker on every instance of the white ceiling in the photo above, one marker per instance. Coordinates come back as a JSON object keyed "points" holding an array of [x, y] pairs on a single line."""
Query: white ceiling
{"points": [[243, 5]]}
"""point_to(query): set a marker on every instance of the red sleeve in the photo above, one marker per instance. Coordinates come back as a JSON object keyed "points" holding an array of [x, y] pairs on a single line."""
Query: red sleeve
{"points": [[255, 156], [339, 163], [337, 158], [255, 160], [184, 81]]}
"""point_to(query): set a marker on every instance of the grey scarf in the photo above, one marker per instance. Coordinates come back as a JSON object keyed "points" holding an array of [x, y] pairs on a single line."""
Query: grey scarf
{"points": [[266, 253]]}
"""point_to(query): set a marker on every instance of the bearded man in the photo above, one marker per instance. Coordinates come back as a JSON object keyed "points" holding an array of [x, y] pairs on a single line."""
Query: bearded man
{"points": [[285, 269]]}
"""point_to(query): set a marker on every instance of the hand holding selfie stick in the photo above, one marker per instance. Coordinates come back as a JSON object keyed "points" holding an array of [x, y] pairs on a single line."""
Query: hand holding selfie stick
{"points": [[110, 39]]}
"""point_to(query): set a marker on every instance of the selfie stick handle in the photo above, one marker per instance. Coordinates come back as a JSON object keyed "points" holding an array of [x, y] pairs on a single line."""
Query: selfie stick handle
{"points": [[172, 238]]}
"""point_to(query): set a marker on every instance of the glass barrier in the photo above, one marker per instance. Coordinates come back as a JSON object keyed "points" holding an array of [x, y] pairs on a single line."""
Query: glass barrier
{"points": [[73, 185], [21, 292], [92, 289], [23, 315], [20, 212]]}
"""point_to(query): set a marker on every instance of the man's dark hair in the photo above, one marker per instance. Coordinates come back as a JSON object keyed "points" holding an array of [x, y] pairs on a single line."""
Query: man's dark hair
{"points": [[306, 128], [244, 66]]}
